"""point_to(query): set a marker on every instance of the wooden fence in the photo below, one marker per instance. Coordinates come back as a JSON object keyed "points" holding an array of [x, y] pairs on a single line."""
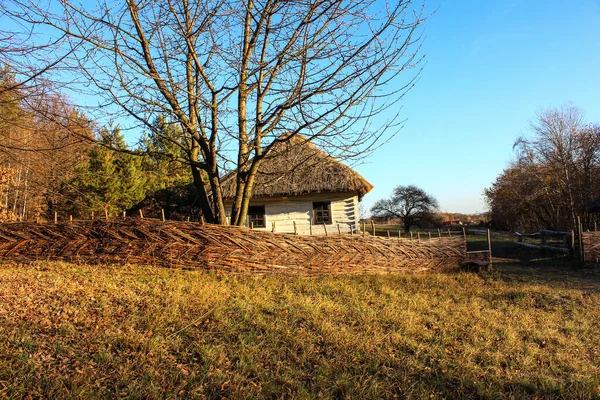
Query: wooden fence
{"points": [[591, 247], [563, 242], [195, 245]]}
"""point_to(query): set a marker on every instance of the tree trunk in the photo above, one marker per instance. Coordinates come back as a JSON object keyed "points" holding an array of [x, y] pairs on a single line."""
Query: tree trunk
{"points": [[200, 187]]}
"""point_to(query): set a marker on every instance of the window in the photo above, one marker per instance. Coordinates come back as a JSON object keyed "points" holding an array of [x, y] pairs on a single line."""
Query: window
{"points": [[322, 212], [256, 216]]}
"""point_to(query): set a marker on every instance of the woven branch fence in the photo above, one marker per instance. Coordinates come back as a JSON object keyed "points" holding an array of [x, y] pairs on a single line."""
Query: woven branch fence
{"points": [[591, 246], [226, 248]]}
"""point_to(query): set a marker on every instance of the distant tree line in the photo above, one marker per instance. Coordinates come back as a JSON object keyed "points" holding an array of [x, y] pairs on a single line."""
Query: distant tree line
{"points": [[554, 177]]}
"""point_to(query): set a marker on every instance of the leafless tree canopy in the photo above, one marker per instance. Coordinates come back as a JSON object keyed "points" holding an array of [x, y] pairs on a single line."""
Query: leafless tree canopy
{"points": [[555, 176], [236, 76]]}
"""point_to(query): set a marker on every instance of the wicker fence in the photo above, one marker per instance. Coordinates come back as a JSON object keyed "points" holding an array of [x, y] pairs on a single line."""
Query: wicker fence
{"points": [[193, 245], [591, 247]]}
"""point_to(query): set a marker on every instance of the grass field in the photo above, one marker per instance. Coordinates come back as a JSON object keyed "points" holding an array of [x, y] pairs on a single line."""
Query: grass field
{"points": [[531, 328]]}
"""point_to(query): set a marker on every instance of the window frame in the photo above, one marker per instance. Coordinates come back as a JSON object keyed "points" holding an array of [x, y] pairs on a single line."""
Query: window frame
{"points": [[318, 219], [255, 218]]}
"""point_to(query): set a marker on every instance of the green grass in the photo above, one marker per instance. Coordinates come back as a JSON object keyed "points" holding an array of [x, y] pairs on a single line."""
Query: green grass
{"points": [[139, 332]]}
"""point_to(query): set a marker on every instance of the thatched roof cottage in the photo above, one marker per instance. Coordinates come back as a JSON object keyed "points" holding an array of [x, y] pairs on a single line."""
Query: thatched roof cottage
{"points": [[594, 206], [300, 183]]}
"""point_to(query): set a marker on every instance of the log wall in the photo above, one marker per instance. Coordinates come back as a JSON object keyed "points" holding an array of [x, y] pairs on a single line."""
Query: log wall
{"points": [[227, 248]]}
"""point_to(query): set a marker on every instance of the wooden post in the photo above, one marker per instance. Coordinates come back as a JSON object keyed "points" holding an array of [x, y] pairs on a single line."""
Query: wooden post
{"points": [[92, 215], [295, 231], [543, 238], [411, 235], [202, 221], [449, 233], [55, 217], [363, 229], [325, 228], [388, 232], [273, 227], [489, 239], [70, 218], [429, 235], [399, 234], [465, 233], [373, 227], [162, 214], [141, 214], [580, 229], [188, 219], [124, 215], [339, 230], [565, 240], [419, 236], [310, 228], [105, 214], [439, 232], [251, 225]]}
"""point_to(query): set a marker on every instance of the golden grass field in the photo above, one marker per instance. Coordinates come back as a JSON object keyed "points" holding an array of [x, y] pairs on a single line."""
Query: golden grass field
{"points": [[77, 331]]}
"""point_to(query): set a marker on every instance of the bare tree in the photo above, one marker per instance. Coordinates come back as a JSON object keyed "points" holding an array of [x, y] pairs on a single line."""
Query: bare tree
{"points": [[239, 76], [557, 172], [412, 205]]}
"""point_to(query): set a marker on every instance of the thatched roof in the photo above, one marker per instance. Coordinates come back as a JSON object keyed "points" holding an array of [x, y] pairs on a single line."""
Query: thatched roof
{"points": [[594, 206], [297, 167]]}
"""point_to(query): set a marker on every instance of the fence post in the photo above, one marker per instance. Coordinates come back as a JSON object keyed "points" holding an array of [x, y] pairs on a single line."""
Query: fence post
{"points": [[388, 232], [124, 214], [70, 218], [106, 214], [339, 230], [543, 238], [373, 227], [141, 214], [363, 229], [310, 228], [419, 236], [92, 215], [55, 217], [489, 239], [439, 232], [411, 235], [449, 233], [273, 227], [465, 233], [580, 239], [295, 231], [429, 235], [573, 241], [201, 219], [325, 228]]}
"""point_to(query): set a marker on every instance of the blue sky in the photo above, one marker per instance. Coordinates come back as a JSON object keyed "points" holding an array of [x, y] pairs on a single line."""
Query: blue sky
{"points": [[490, 67]]}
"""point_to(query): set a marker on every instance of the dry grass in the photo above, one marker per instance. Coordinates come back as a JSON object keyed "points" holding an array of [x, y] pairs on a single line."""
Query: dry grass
{"points": [[102, 332]]}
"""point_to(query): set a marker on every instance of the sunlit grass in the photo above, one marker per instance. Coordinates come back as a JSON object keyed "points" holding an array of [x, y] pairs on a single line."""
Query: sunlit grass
{"points": [[141, 332]]}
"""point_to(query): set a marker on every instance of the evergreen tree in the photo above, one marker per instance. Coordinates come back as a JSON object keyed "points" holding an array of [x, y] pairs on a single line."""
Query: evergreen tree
{"points": [[111, 181]]}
